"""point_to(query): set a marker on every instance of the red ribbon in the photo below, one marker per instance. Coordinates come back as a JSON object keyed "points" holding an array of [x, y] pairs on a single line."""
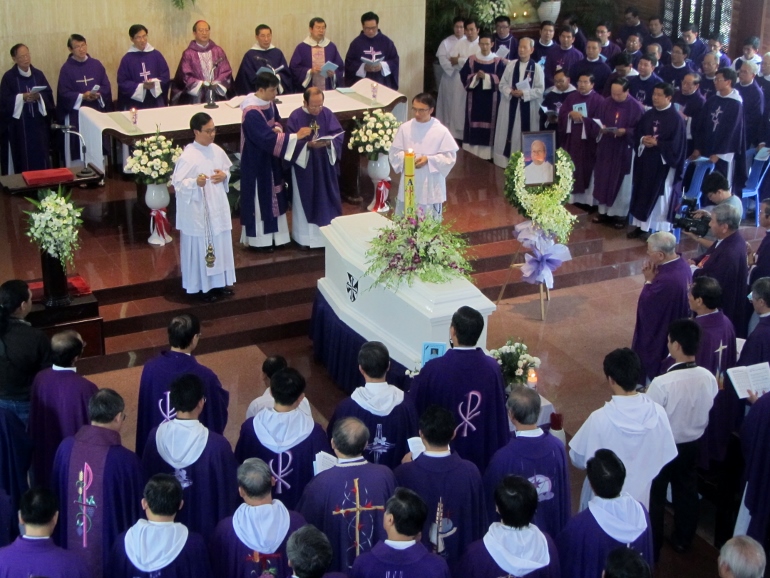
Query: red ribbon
{"points": [[381, 195], [159, 223]]}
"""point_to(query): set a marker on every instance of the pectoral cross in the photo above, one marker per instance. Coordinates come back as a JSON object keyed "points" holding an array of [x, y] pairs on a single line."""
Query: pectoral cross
{"points": [[85, 80], [372, 53], [145, 74], [655, 126], [368, 507], [314, 127], [715, 117]]}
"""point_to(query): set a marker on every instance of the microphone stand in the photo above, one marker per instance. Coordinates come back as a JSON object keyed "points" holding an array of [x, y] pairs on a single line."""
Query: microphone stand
{"points": [[211, 102], [86, 171]]}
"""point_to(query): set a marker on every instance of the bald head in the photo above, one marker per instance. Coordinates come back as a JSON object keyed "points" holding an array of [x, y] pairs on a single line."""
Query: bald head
{"points": [[66, 347], [350, 437]]}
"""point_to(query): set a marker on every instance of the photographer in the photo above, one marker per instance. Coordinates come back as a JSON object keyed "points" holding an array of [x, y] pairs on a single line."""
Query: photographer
{"points": [[717, 190]]}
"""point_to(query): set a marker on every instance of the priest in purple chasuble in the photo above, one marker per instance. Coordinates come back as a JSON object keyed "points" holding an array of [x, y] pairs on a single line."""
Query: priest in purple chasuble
{"points": [[612, 520], [689, 101], [391, 419], [311, 55], [25, 116], [99, 484], [660, 156], [284, 437], [263, 145], [200, 459], [515, 546], [262, 55], [480, 76], [401, 554], [664, 298], [679, 67], [467, 382], [160, 546], [615, 152], [553, 99], [563, 56], [519, 108], [143, 75], [59, 404], [252, 542], [15, 455], [82, 82], [34, 553], [642, 85], [155, 405], [451, 487], [347, 501], [9, 523], [536, 456], [577, 134], [372, 55], [315, 186], [204, 66], [753, 103]]}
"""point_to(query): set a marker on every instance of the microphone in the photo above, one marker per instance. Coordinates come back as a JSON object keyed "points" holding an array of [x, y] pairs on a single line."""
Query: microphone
{"points": [[62, 126]]}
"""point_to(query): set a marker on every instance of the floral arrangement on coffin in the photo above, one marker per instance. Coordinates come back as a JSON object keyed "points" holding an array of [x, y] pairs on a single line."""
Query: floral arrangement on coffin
{"points": [[515, 361], [53, 225], [487, 10], [416, 248], [153, 160], [374, 133]]}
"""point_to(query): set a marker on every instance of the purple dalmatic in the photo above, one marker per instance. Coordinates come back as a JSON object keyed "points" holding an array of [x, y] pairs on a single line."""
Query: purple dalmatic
{"points": [[252, 542], [40, 558], [468, 383], [755, 441], [652, 166], [379, 49], [585, 543], [135, 69], [542, 460], [209, 483], [452, 489], [347, 503], [413, 562], [318, 181], [556, 58], [9, 521], [726, 262], [198, 65], [306, 54], [75, 79], [641, 90], [493, 557], [15, 456], [257, 58], [753, 111], [26, 126], [661, 301], [482, 101], [674, 75], [152, 552], [58, 409], [579, 139], [100, 485], [613, 155], [292, 467], [154, 401]]}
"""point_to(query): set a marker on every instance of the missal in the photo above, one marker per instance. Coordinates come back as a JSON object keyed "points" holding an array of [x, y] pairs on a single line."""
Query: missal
{"points": [[753, 377]]}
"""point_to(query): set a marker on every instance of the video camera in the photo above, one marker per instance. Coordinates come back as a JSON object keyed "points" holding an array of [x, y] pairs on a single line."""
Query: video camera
{"points": [[687, 222]]}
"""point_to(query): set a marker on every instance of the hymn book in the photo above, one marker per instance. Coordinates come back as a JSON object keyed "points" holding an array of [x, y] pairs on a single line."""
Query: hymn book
{"points": [[753, 377], [322, 462]]}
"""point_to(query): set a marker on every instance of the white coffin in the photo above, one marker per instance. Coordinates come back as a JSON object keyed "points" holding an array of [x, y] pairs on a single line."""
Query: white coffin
{"points": [[403, 319]]}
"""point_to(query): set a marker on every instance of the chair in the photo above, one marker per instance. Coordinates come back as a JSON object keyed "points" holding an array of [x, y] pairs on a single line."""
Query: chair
{"points": [[701, 167], [757, 172]]}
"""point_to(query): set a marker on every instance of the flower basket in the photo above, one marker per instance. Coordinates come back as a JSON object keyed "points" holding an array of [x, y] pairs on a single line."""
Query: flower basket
{"points": [[515, 361], [374, 133]]}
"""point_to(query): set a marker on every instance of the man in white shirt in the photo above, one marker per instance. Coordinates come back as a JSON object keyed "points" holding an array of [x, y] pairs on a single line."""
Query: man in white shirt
{"points": [[270, 366], [687, 393], [446, 92]]}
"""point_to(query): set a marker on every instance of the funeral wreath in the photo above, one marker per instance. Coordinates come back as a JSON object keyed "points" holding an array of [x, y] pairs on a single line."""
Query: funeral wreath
{"points": [[53, 225], [374, 133], [153, 159]]}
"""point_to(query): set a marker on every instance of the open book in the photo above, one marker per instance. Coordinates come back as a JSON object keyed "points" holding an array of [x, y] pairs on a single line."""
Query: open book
{"points": [[329, 136], [329, 66], [601, 125], [322, 462], [371, 61], [753, 377]]}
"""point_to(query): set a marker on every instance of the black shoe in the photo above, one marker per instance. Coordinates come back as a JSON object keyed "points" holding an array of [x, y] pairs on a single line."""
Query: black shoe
{"points": [[225, 291], [635, 234], [268, 249], [357, 200], [209, 297], [644, 236]]}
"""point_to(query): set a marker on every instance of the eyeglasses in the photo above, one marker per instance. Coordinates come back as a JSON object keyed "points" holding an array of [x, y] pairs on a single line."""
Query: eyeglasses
{"points": [[415, 109], [209, 130]]}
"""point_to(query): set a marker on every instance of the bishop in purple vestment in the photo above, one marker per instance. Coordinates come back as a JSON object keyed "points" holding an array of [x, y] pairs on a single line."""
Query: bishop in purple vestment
{"points": [[35, 553], [200, 459], [401, 554], [311, 55], [203, 67], [285, 437], [59, 404], [577, 132], [160, 547], [154, 387], [451, 487], [25, 116], [99, 483], [252, 542], [372, 55], [143, 75], [262, 55], [664, 298], [468, 382], [347, 501]]}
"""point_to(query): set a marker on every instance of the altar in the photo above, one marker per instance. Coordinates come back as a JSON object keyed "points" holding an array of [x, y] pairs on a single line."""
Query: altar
{"points": [[348, 311]]}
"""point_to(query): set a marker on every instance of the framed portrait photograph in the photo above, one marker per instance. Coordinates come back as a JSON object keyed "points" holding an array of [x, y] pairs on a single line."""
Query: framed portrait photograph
{"points": [[539, 149]]}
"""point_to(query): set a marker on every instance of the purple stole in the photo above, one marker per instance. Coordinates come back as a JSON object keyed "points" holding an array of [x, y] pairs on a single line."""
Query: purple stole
{"points": [[517, 105], [274, 211]]}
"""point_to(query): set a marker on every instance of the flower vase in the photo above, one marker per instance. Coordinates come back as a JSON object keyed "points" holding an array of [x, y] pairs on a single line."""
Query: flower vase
{"points": [[55, 293], [157, 199], [379, 171], [549, 10]]}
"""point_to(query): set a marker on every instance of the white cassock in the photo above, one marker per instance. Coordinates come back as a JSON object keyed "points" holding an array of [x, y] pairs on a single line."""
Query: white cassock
{"points": [[463, 49], [431, 139], [538, 174], [445, 92], [534, 96], [637, 430], [191, 204]]}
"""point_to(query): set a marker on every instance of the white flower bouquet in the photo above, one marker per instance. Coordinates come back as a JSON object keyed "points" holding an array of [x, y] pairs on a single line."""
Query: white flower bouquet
{"points": [[374, 133], [487, 10], [53, 225], [515, 361], [153, 160]]}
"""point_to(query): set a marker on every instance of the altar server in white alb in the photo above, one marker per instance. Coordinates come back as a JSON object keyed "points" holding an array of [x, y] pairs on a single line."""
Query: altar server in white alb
{"points": [[200, 180], [435, 153]]}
